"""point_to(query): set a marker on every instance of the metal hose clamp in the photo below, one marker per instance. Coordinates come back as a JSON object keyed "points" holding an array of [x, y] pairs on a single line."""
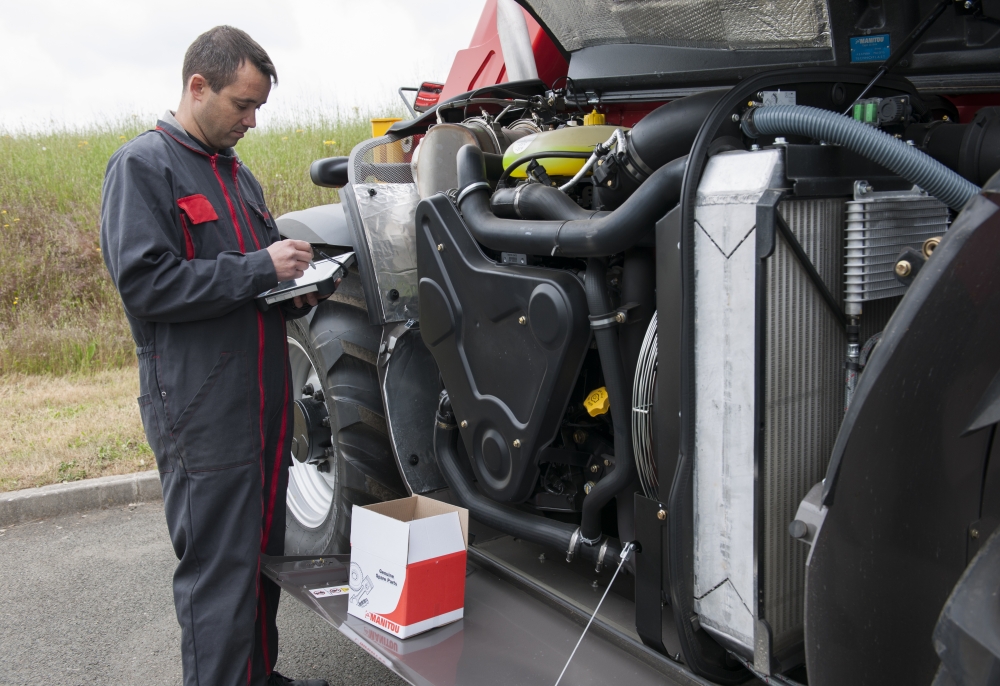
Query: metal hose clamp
{"points": [[470, 188], [600, 555], [571, 550]]}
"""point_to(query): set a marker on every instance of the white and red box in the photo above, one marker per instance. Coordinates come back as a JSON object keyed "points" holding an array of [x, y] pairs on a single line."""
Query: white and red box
{"points": [[408, 564]]}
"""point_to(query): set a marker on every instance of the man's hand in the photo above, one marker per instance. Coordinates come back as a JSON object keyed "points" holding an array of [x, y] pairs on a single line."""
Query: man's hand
{"points": [[290, 258], [310, 299]]}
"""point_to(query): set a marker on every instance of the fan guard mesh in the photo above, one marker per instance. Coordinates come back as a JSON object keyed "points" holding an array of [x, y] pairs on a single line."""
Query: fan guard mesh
{"points": [[643, 421]]}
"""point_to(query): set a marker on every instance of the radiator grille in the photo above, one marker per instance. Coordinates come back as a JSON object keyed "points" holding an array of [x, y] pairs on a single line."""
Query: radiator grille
{"points": [[878, 229], [804, 397]]}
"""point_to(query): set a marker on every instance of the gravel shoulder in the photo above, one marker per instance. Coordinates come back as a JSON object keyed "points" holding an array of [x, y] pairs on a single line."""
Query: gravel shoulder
{"points": [[86, 599]]}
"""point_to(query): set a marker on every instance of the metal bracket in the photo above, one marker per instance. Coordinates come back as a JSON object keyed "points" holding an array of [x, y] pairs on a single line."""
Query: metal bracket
{"points": [[389, 341], [606, 321]]}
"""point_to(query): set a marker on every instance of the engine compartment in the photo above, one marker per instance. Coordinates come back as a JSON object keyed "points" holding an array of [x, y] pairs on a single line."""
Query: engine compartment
{"points": [[586, 385]]}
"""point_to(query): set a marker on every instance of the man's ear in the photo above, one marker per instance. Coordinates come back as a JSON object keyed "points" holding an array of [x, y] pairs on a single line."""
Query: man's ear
{"points": [[197, 87]]}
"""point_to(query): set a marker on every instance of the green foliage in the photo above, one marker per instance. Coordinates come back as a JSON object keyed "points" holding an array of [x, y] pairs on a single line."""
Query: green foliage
{"points": [[68, 471], [59, 311]]}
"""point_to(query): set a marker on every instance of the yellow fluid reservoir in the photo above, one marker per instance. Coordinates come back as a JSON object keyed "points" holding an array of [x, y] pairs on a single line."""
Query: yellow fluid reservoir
{"points": [[568, 138]]}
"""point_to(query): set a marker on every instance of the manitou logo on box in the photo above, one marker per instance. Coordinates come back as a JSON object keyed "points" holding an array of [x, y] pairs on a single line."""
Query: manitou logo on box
{"points": [[379, 620]]}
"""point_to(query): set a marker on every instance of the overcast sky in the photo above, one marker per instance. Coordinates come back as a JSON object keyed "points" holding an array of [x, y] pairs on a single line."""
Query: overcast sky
{"points": [[70, 63]]}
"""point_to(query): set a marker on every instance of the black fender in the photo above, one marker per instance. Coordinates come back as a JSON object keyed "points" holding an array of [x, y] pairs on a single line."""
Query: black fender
{"points": [[322, 225]]}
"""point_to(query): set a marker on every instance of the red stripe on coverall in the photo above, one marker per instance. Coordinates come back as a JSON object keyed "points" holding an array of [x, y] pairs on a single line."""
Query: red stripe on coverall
{"points": [[188, 243], [265, 534], [276, 469]]}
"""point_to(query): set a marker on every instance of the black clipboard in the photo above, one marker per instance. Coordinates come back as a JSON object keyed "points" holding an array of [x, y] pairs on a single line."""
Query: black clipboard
{"points": [[319, 278]]}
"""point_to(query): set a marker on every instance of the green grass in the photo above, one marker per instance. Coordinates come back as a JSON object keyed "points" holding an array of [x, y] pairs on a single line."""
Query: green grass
{"points": [[59, 312]]}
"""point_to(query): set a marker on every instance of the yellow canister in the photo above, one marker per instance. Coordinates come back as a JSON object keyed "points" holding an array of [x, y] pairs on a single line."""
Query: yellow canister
{"points": [[385, 154], [568, 138]]}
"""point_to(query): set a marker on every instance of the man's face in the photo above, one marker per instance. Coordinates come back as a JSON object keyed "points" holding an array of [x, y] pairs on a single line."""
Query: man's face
{"points": [[224, 117]]}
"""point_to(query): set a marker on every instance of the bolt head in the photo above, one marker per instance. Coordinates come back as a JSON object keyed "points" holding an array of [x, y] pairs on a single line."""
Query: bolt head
{"points": [[608, 183], [464, 424], [607, 463], [517, 443], [308, 389], [798, 529], [587, 487], [903, 268], [414, 459], [594, 468], [542, 558], [974, 533], [440, 247], [595, 585], [661, 515], [579, 436], [620, 317], [736, 119], [522, 320]]}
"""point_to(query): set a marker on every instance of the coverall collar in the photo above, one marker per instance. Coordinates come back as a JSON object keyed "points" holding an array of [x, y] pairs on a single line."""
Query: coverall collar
{"points": [[168, 122]]}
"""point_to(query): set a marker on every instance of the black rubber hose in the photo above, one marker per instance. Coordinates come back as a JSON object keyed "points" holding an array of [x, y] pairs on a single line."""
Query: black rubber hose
{"points": [[623, 475], [535, 201], [605, 235], [912, 164], [530, 527], [666, 133]]}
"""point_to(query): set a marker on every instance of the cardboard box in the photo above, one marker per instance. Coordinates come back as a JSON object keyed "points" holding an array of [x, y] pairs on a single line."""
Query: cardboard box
{"points": [[408, 564]]}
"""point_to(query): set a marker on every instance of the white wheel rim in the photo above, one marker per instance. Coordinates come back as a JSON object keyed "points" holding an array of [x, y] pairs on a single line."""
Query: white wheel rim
{"points": [[310, 491]]}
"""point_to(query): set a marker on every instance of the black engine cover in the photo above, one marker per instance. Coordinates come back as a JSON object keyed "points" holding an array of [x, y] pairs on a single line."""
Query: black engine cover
{"points": [[509, 341]]}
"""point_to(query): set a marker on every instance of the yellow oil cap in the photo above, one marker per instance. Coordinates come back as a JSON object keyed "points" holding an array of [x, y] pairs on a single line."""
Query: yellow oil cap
{"points": [[595, 118], [597, 402]]}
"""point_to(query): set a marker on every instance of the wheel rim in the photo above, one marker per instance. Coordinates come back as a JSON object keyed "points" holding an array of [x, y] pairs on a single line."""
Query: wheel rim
{"points": [[310, 491]]}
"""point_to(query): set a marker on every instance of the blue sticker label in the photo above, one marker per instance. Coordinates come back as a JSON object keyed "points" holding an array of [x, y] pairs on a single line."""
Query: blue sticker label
{"points": [[870, 48]]}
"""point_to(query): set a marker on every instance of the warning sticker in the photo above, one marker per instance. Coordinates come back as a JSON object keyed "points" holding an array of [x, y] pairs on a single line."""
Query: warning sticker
{"points": [[870, 48], [330, 591]]}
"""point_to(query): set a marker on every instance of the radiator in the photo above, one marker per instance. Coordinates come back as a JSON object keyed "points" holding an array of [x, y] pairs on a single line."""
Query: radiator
{"points": [[748, 572]]}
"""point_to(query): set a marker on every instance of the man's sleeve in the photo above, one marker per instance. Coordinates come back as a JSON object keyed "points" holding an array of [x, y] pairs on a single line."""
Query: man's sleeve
{"points": [[143, 247]]}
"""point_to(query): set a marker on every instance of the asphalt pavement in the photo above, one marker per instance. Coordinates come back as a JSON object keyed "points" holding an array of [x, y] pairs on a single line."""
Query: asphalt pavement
{"points": [[85, 599]]}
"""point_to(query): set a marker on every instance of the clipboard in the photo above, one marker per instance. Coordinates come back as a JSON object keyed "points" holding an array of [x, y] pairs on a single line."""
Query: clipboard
{"points": [[319, 278]]}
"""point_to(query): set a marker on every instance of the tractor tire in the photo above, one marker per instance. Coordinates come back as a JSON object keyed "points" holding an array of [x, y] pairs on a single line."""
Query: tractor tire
{"points": [[335, 351]]}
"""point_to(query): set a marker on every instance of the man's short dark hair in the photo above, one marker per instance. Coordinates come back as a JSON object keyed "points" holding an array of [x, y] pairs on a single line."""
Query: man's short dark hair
{"points": [[218, 54]]}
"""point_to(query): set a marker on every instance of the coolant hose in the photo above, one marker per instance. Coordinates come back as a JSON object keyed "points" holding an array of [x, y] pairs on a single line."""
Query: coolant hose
{"points": [[536, 201], [623, 475], [866, 140], [597, 237], [530, 527]]}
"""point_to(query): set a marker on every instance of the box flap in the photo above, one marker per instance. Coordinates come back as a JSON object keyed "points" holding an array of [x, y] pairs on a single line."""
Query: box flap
{"points": [[380, 535], [402, 509], [428, 507], [435, 536]]}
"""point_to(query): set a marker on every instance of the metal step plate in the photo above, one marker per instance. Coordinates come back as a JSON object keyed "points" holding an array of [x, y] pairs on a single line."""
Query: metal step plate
{"points": [[506, 637]]}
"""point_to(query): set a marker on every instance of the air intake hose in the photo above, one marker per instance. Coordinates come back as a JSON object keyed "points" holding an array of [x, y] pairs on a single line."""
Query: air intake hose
{"points": [[530, 527], [864, 139], [598, 237]]}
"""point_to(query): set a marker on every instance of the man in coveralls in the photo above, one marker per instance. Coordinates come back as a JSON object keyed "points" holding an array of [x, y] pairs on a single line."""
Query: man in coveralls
{"points": [[189, 242]]}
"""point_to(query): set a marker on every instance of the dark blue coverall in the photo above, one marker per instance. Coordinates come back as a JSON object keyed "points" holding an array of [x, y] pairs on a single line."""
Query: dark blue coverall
{"points": [[183, 234]]}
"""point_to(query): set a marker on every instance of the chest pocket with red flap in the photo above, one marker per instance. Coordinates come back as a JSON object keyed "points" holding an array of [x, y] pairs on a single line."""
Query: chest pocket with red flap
{"points": [[197, 209]]}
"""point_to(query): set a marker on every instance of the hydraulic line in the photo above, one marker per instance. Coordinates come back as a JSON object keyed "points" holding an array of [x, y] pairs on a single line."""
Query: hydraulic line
{"points": [[906, 160]]}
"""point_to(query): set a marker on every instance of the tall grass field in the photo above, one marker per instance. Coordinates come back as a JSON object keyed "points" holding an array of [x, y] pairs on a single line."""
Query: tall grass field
{"points": [[61, 322]]}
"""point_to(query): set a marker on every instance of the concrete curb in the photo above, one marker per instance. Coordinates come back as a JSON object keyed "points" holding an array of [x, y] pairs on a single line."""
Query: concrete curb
{"points": [[30, 504]]}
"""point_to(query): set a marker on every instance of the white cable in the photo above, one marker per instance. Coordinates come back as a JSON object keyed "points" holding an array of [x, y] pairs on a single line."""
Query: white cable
{"points": [[617, 138], [624, 556]]}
